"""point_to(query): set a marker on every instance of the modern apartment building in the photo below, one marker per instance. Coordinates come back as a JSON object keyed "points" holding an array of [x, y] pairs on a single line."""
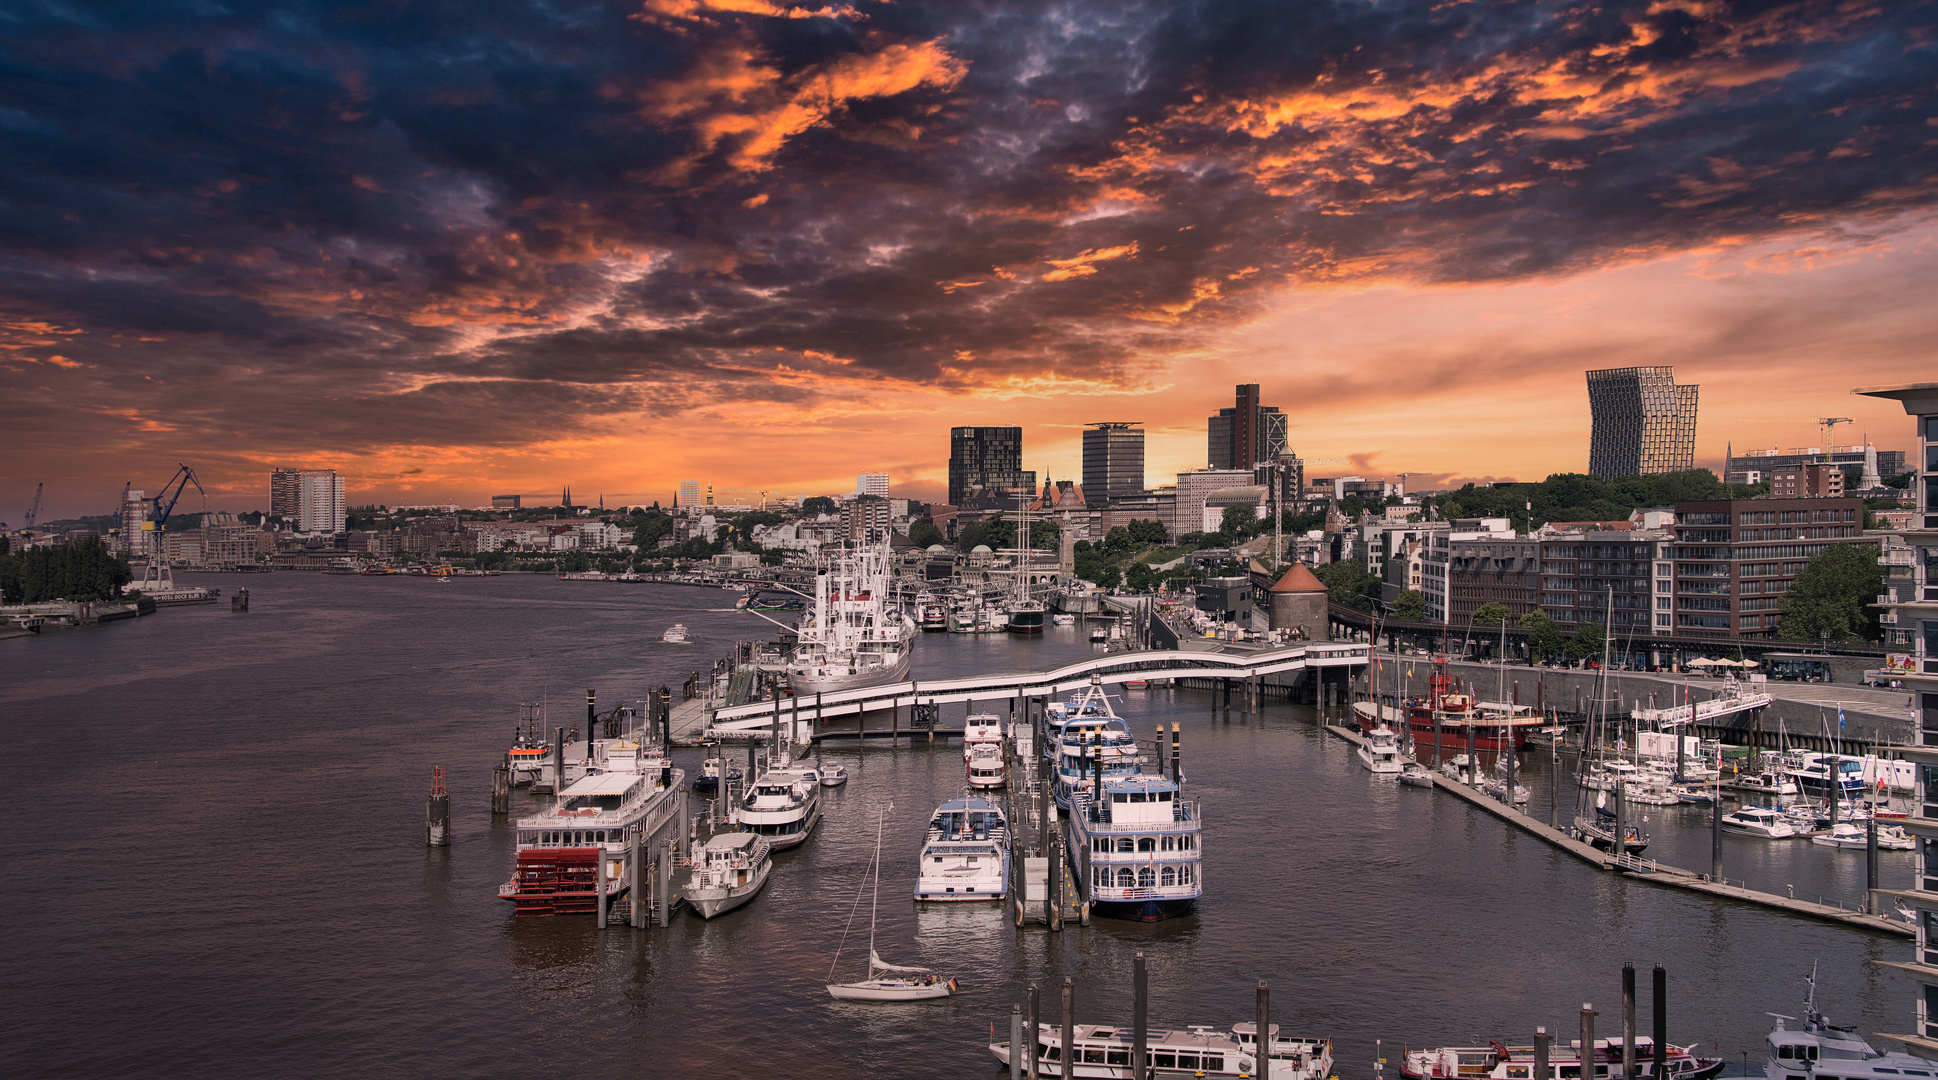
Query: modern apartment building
{"points": [[1910, 617], [1605, 577], [308, 500], [866, 518], [1499, 568], [1247, 433], [1643, 422], [986, 461], [1113, 460], [1734, 560], [1195, 487], [874, 483], [1807, 482]]}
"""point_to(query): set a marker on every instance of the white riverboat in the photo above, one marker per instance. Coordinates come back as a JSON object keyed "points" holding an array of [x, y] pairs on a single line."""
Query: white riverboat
{"points": [[675, 634], [965, 854], [1136, 847], [849, 636], [1089, 740], [727, 872], [783, 805], [1193, 1051], [982, 751], [1380, 753], [1759, 821], [574, 852]]}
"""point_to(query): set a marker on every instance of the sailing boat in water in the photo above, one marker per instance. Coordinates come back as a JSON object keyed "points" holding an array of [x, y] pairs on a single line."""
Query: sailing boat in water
{"points": [[885, 981]]}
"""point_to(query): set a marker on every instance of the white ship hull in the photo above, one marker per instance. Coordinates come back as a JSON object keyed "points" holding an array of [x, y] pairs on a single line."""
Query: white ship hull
{"points": [[827, 680], [708, 902]]}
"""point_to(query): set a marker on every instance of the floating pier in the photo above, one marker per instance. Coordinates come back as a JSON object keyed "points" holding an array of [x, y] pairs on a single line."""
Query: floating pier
{"points": [[1649, 870]]}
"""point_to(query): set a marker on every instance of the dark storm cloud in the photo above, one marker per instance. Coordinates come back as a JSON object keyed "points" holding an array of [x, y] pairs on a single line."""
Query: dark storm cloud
{"points": [[436, 216]]}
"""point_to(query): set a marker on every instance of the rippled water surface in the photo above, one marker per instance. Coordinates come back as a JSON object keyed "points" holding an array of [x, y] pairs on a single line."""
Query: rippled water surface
{"points": [[215, 866]]}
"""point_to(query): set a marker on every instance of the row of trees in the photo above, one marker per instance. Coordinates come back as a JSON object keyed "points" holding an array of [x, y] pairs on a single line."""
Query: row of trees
{"points": [[84, 570]]}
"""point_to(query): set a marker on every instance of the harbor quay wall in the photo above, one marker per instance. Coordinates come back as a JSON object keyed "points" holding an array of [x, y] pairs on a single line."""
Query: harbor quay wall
{"points": [[1572, 691]]}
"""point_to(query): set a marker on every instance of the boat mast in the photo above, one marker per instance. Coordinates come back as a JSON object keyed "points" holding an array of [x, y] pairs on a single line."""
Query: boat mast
{"points": [[875, 904]]}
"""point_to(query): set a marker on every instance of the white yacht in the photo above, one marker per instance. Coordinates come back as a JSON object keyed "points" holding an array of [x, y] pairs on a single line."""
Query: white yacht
{"points": [[1177, 1052], [565, 849], [834, 774], [1773, 784], [1821, 1049], [1849, 834], [783, 805], [727, 872], [849, 636], [982, 751], [675, 634], [965, 855], [1380, 753], [1759, 821]]}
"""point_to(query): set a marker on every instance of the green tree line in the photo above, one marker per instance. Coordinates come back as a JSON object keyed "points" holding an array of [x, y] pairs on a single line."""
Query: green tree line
{"points": [[79, 571]]}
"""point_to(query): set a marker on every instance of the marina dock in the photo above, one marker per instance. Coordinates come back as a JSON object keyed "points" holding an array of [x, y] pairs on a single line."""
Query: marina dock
{"points": [[1649, 870]]}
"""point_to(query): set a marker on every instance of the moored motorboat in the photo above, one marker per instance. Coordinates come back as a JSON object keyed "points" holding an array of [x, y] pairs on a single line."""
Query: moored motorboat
{"points": [[1849, 834], [834, 774], [1417, 775], [1758, 821], [727, 872], [982, 751], [1380, 753], [965, 854]]}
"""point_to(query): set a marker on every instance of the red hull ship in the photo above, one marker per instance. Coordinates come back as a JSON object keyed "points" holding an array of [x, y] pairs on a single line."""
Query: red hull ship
{"points": [[1457, 713]]}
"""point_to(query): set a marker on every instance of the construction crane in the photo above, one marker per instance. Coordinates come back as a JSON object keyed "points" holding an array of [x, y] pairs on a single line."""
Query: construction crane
{"points": [[1827, 423], [34, 510]]}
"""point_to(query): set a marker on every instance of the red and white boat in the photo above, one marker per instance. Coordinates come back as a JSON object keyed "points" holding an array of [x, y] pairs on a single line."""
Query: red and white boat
{"points": [[1495, 725], [574, 854], [982, 751], [1498, 1061]]}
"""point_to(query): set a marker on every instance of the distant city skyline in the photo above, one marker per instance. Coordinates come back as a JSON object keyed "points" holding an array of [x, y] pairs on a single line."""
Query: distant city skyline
{"points": [[781, 246]]}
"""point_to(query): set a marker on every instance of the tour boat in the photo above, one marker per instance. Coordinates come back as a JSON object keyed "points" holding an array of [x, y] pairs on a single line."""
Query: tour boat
{"points": [[1759, 821], [783, 805], [1090, 739], [850, 637], [1135, 847], [1380, 753], [931, 614], [727, 872], [965, 855], [982, 751], [1498, 1061], [1193, 1051], [565, 849], [885, 981], [675, 634]]}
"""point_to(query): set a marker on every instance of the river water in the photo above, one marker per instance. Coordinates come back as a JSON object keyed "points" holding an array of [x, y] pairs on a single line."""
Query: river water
{"points": [[215, 867]]}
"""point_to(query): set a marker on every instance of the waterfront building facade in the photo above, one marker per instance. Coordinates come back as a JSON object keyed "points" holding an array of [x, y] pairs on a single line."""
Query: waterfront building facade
{"points": [[986, 461], [1246, 434], [1113, 459], [1909, 612], [1734, 559], [1643, 422]]}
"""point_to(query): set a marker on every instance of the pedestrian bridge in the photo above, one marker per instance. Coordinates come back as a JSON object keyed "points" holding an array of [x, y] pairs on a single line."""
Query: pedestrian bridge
{"points": [[1110, 669]]}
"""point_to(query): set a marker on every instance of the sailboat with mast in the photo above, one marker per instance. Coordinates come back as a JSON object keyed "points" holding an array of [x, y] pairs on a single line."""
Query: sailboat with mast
{"points": [[885, 981]]}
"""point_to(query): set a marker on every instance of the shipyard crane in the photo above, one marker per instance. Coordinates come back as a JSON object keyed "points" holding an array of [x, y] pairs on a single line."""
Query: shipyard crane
{"points": [[183, 477], [1827, 423], [34, 510]]}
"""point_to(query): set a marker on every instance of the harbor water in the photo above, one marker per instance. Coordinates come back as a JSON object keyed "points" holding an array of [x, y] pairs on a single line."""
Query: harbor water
{"points": [[216, 867]]}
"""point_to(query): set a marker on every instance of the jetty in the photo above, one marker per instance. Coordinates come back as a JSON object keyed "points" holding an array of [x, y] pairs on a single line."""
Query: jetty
{"points": [[910, 707], [1650, 870]]}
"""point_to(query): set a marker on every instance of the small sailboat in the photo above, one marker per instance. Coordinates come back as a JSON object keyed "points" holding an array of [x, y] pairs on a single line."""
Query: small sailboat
{"points": [[885, 981]]}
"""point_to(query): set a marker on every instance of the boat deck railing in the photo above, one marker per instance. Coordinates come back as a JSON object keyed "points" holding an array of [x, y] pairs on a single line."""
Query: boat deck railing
{"points": [[554, 818], [1182, 812]]}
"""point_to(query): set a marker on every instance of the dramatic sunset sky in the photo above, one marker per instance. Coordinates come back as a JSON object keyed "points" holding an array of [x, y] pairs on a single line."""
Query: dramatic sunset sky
{"points": [[460, 249]]}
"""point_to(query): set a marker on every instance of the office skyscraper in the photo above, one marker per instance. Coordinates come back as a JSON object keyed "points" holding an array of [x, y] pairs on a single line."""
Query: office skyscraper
{"points": [[1643, 422], [986, 460], [1246, 434], [1113, 460]]}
